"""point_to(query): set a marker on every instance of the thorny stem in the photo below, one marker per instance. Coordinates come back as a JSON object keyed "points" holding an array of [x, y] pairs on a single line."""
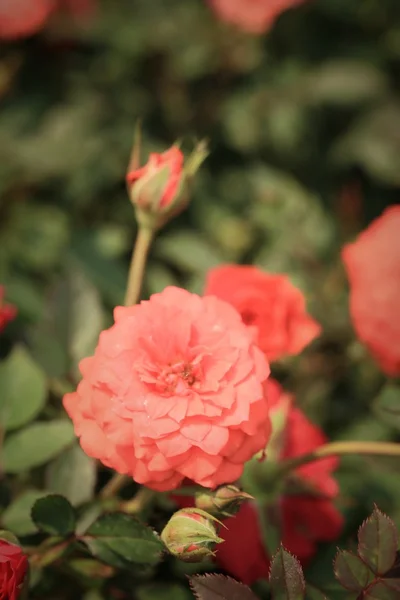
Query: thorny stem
{"points": [[135, 280], [341, 449]]}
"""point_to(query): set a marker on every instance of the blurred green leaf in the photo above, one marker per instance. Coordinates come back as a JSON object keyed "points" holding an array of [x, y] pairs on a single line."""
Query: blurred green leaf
{"points": [[351, 571], [73, 475], [387, 405], [90, 568], [54, 515], [163, 591], [187, 251], [345, 82], [8, 537], [36, 445], [381, 590], [17, 516], [286, 577], [23, 389], [377, 542], [219, 587]]}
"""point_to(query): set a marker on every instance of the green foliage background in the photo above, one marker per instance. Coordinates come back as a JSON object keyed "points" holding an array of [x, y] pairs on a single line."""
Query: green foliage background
{"points": [[304, 131]]}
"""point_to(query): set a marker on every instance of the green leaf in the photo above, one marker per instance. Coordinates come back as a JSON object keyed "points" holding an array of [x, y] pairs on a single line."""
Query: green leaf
{"points": [[351, 571], [377, 542], [163, 591], [219, 587], [73, 475], [286, 577], [75, 314], [36, 445], [381, 591], [23, 389], [387, 405], [187, 251], [8, 537], [99, 549], [88, 567], [126, 537], [17, 516], [54, 515]]}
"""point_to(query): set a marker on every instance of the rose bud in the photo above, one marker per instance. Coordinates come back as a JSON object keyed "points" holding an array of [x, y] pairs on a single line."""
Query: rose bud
{"points": [[13, 570], [160, 189], [222, 502], [190, 535]]}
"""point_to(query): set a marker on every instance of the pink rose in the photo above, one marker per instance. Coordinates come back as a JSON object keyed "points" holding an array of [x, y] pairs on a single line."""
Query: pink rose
{"points": [[13, 569], [270, 303], [174, 390], [254, 16], [372, 263]]}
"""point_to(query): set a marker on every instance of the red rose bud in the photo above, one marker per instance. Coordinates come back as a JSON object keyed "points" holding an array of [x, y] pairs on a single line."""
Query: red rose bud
{"points": [[222, 502], [161, 189], [190, 535], [13, 570]]}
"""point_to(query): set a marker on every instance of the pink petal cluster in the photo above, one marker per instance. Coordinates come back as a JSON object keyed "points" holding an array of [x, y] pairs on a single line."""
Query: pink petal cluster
{"points": [[269, 303], [173, 391], [372, 263], [253, 16]]}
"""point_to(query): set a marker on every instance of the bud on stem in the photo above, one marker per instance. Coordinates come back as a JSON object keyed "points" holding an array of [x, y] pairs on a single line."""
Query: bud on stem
{"points": [[191, 535]]}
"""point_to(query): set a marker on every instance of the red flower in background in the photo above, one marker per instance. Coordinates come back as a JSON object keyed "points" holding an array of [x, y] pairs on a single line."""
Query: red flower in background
{"points": [[372, 263], [174, 390], [253, 16], [13, 568], [7, 311], [23, 18], [270, 303], [305, 519]]}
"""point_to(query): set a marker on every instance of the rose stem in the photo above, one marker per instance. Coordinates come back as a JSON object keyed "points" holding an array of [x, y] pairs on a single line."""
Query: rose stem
{"points": [[341, 449], [135, 280], [138, 262]]}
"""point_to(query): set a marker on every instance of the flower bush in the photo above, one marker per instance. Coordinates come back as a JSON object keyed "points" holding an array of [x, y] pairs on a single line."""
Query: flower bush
{"points": [[148, 288]]}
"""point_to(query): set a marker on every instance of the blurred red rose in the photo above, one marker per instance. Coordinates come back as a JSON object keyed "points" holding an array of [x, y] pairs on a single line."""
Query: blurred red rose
{"points": [[13, 569], [254, 16], [372, 263], [7, 311], [305, 519], [268, 302], [23, 18]]}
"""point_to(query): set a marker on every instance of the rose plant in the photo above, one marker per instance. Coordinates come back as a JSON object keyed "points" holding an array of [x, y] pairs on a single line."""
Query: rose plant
{"points": [[177, 398]]}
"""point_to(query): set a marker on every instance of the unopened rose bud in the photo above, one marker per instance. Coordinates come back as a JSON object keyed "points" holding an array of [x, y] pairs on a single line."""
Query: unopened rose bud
{"points": [[225, 501], [160, 189], [191, 535]]}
